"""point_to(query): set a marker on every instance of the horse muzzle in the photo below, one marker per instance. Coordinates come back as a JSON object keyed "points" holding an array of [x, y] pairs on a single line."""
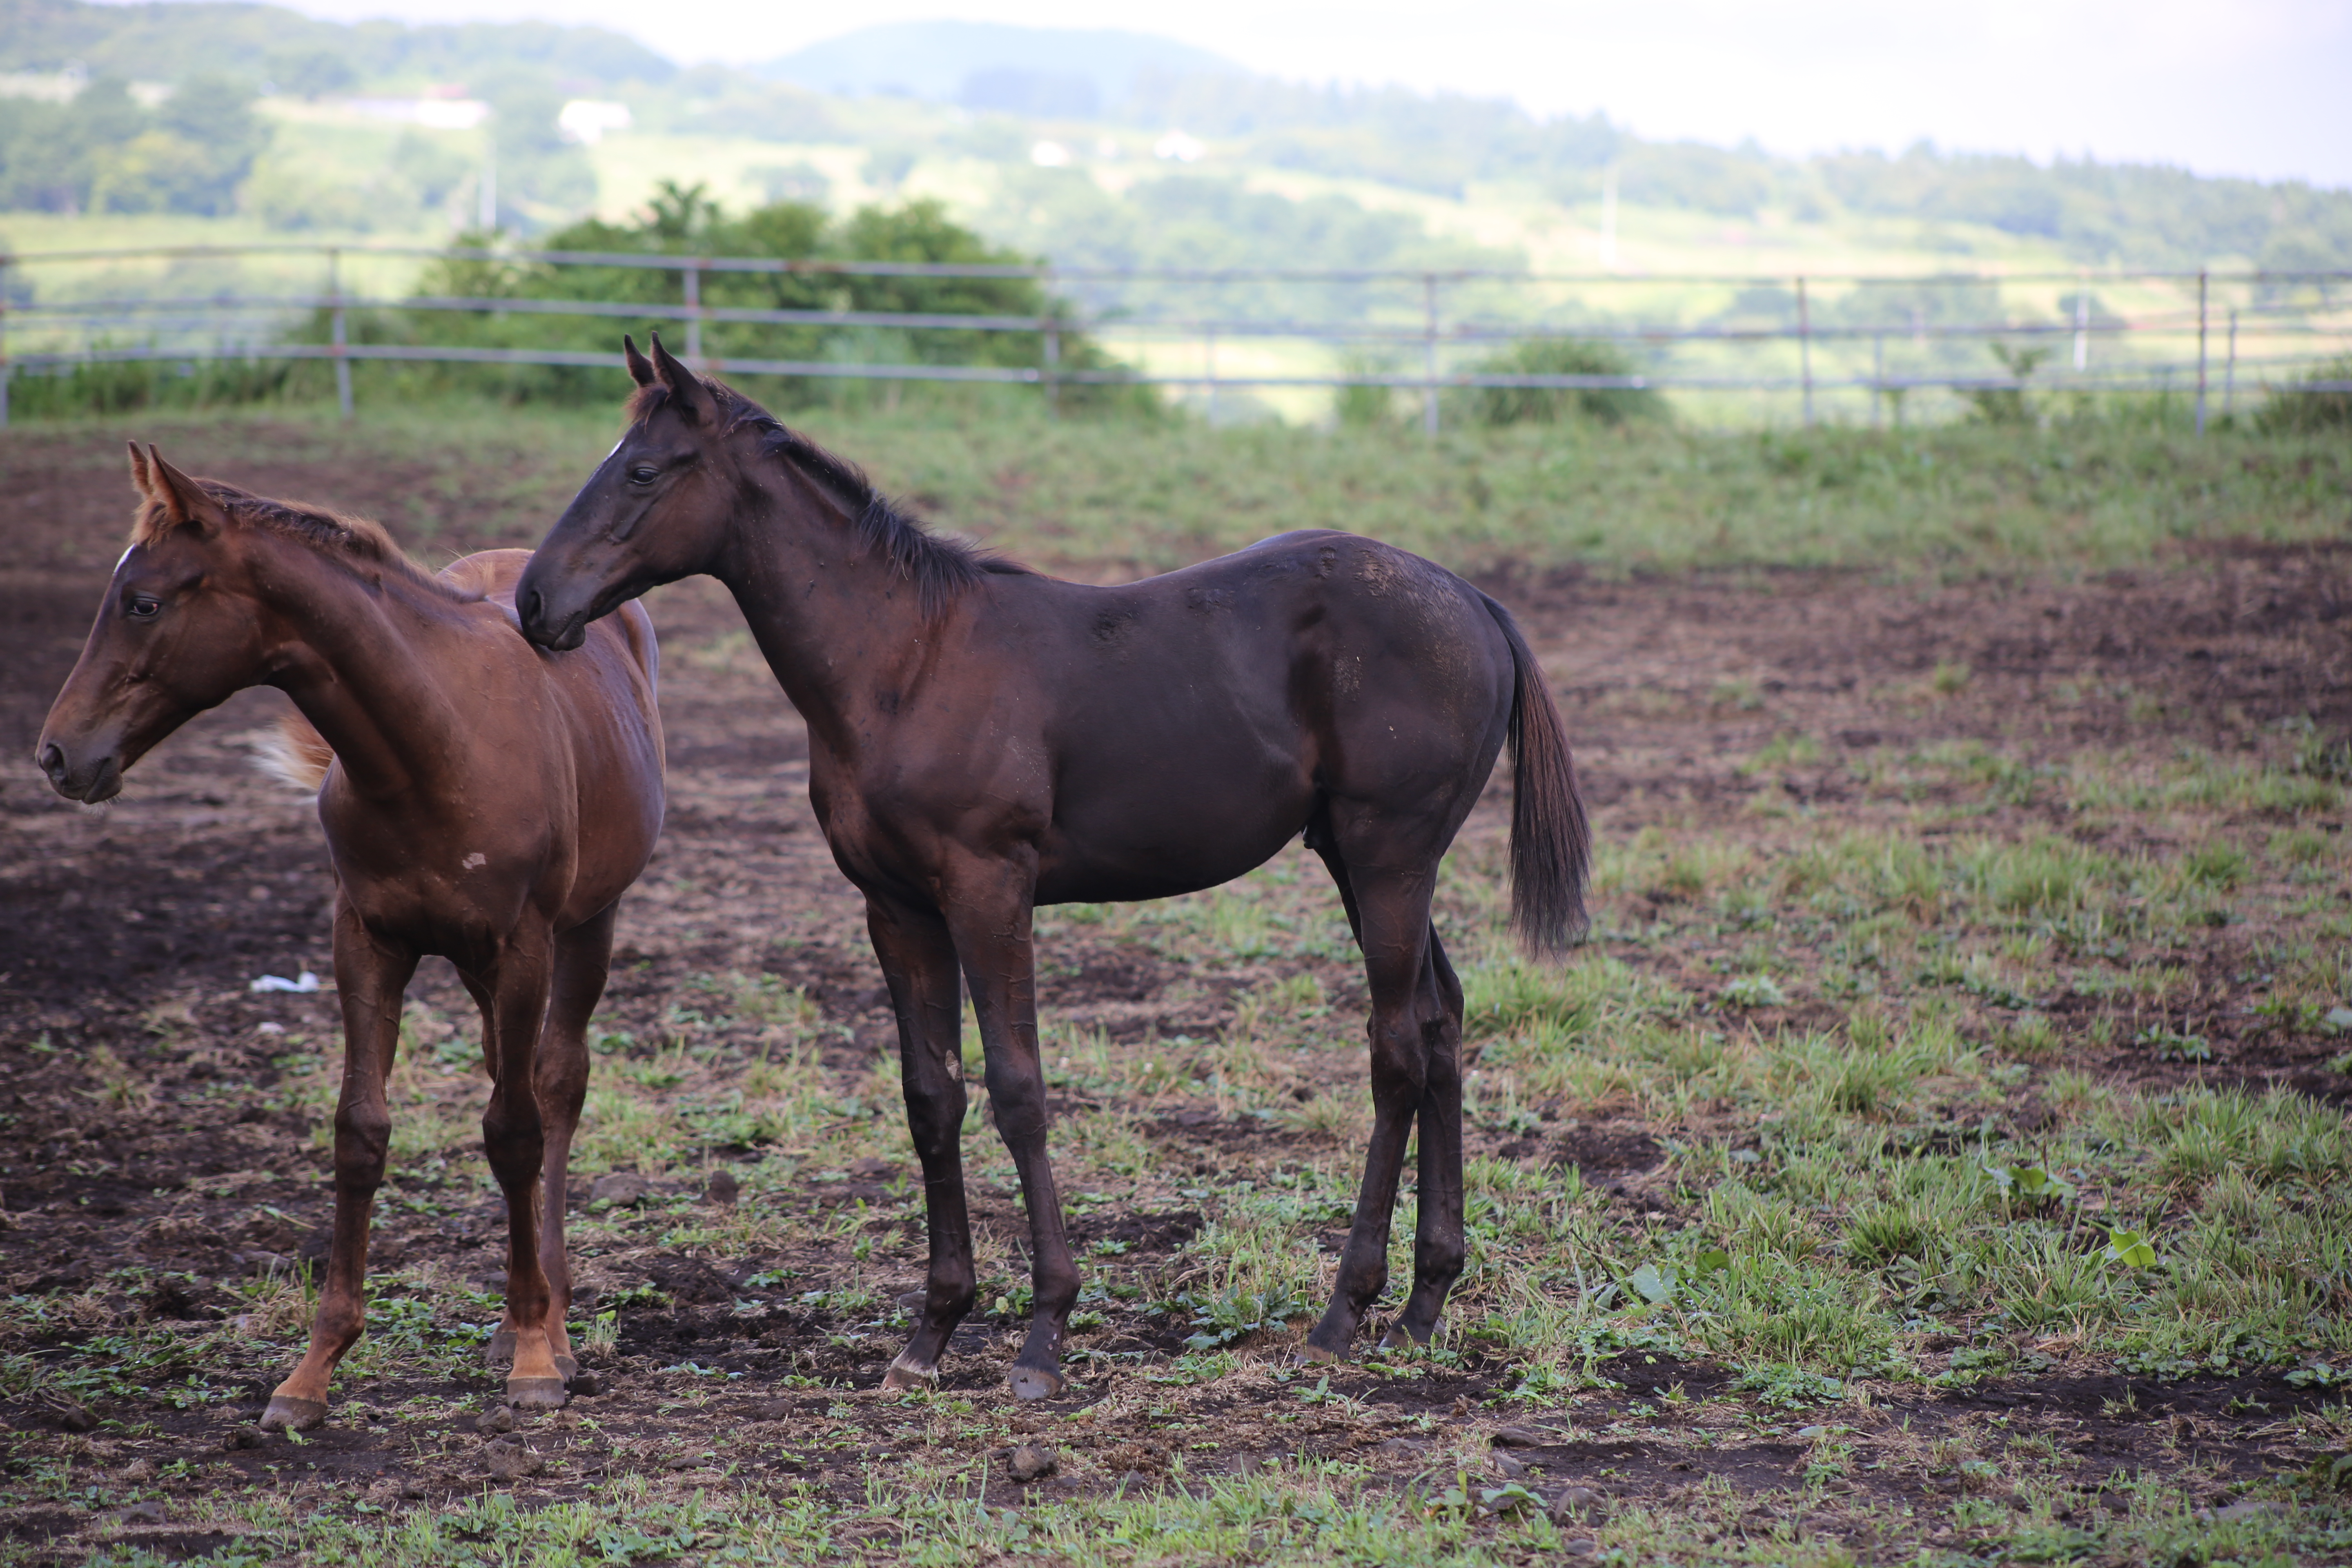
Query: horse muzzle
{"points": [[547, 625], [87, 782]]}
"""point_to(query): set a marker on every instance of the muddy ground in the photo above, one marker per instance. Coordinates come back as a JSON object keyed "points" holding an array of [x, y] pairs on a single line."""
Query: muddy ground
{"points": [[140, 928]]}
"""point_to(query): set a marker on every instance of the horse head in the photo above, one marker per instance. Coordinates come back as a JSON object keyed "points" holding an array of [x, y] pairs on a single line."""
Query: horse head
{"points": [[656, 509]]}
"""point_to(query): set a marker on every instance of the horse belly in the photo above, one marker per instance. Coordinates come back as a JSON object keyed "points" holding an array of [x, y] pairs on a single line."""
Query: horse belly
{"points": [[1181, 823]]}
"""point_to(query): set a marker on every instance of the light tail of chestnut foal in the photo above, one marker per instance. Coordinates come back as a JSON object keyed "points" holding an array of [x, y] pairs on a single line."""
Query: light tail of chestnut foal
{"points": [[483, 800]]}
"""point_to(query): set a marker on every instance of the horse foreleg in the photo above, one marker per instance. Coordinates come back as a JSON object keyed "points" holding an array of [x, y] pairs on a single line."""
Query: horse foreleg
{"points": [[514, 1138], [1439, 1250], [990, 925], [918, 962], [369, 980], [583, 958]]}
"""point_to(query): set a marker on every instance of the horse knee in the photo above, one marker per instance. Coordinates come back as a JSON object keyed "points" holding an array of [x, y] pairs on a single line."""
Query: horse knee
{"points": [[935, 1117], [362, 1144], [1018, 1101]]}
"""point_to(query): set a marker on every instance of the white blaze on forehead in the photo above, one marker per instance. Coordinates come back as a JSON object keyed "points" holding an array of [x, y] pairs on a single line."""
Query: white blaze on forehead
{"points": [[121, 558]]}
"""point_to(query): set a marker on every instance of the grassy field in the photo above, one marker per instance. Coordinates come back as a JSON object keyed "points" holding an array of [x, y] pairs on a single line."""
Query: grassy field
{"points": [[1105, 499], [1937, 1155]]}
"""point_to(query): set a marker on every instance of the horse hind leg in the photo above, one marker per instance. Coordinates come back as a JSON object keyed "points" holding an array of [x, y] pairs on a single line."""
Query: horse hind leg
{"points": [[582, 960], [514, 1138], [1439, 1250], [1391, 915]]}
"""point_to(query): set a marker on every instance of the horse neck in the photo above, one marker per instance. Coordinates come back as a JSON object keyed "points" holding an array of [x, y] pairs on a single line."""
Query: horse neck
{"points": [[359, 662], [836, 621]]}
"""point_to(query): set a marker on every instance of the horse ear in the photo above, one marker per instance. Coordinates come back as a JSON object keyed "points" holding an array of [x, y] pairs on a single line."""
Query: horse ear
{"points": [[184, 501], [687, 393], [641, 370], [142, 478]]}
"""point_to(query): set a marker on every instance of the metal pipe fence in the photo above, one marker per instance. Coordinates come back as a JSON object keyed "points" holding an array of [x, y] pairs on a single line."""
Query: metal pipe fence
{"points": [[2304, 316]]}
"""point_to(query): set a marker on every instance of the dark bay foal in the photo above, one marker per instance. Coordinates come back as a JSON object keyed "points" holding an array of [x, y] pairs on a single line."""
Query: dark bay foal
{"points": [[482, 800], [984, 740]]}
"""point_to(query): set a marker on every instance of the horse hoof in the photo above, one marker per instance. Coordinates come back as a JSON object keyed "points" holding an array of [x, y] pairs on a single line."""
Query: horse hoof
{"points": [[1316, 1355], [498, 1354], [537, 1392], [287, 1414], [904, 1375], [570, 1367], [1028, 1382], [1401, 1337]]}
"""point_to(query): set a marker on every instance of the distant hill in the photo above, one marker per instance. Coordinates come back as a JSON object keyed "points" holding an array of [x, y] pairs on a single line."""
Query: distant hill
{"points": [[255, 42], [1048, 72], [84, 143]]}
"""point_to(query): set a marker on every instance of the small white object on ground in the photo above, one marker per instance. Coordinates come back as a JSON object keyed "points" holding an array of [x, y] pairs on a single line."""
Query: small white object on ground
{"points": [[302, 984]]}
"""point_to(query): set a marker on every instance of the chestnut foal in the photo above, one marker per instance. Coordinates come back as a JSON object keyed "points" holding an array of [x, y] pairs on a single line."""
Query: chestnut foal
{"points": [[482, 800], [984, 740]]}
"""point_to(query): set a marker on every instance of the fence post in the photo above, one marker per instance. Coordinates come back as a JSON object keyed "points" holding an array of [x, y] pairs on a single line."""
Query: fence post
{"points": [[1053, 346], [2082, 323], [1212, 349], [1877, 380], [2202, 280], [1805, 349], [692, 275], [2230, 375], [1429, 353], [341, 333]]}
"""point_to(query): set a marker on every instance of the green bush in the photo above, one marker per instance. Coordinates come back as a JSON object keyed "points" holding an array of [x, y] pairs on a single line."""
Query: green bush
{"points": [[1553, 404], [2289, 410], [683, 221]]}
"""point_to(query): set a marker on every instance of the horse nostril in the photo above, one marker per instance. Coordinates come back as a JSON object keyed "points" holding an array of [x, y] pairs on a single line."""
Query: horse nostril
{"points": [[52, 762]]}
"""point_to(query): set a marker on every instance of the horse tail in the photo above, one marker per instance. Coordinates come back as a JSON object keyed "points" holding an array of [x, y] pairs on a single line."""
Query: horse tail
{"points": [[294, 754], [1551, 845]]}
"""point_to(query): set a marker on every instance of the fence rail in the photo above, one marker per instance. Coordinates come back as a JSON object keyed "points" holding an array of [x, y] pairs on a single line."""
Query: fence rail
{"points": [[2324, 324]]}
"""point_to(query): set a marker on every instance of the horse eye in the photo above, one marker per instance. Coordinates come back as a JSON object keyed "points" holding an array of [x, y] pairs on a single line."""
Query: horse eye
{"points": [[644, 474], [144, 607]]}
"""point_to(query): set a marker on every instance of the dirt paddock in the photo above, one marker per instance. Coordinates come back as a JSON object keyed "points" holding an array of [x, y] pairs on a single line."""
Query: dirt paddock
{"points": [[163, 1175]]}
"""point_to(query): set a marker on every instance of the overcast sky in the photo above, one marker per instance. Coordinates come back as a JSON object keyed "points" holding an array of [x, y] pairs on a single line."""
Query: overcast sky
{"points": [[2246, 86]]}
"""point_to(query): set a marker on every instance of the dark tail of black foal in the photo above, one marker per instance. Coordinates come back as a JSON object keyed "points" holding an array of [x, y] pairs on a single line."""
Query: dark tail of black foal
{"points": [[1552, 847]]}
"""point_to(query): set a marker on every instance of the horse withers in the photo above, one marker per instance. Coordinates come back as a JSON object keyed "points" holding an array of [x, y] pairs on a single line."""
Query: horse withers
{"points": [[984, 740], [482, 799]]}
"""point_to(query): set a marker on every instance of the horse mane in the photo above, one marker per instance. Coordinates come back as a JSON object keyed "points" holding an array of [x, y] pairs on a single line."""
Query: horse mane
{"points": [[938, 566], [317, 527]]}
